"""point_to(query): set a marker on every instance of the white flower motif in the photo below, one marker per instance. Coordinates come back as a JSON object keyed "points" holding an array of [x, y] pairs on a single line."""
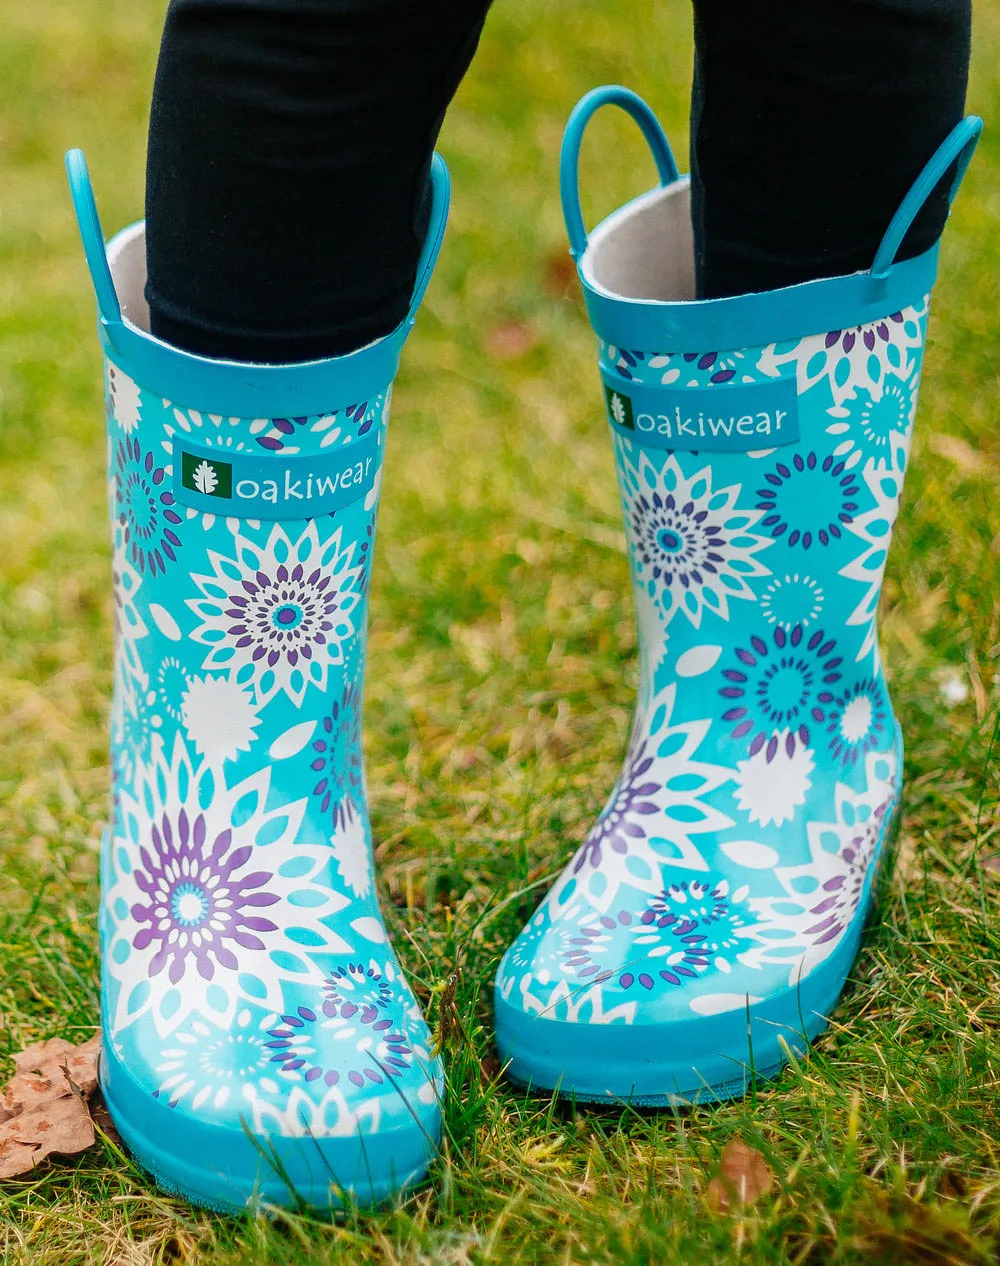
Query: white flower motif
{"points": [[277, 615], [791, 599], [687, 538], [884, 478], [655, 812], [864, 358], [126, 400], [352, 848], [823, 897], [873, 424], [301, 1116], [206, 1065], [770, 791], [129, 626], [136, 723], [202, 904], [579, 1005], [219, 717]]}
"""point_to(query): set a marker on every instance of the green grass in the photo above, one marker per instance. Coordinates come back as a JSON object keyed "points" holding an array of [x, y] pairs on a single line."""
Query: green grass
{"points": [[499, 690]]}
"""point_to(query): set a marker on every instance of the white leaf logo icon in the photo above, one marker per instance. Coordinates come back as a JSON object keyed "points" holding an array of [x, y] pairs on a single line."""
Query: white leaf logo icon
{"points": [[205, 478], [617, 409]]}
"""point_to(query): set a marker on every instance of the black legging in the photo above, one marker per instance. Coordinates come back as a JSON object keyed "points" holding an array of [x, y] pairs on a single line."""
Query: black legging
{"points": [[290, 142]]}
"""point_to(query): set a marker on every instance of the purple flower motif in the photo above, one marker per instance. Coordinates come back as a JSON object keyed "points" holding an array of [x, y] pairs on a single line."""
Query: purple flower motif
{"points": [[200, 898], [868, 334], [281, 428], [678, 541], [355, 413], [357, 994], [617, 823], [856, 721], [705, 360], [841, 893], [780, 685], [697, 920], [338, 756], [144, 508], [588, 943], [627, 361], [844, 488], [283, 616]]}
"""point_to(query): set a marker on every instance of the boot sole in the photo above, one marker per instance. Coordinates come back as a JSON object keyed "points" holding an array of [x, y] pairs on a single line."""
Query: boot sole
{"points": [[232, 1170]]}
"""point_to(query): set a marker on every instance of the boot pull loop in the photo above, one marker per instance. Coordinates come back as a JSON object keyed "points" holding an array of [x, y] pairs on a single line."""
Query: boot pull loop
{"points": [[440, 202], [89, 223], [960, 145], [569, 161]]}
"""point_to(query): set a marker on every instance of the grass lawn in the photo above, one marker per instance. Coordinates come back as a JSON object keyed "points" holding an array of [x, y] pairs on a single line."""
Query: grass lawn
{"points": [[500, 683]]}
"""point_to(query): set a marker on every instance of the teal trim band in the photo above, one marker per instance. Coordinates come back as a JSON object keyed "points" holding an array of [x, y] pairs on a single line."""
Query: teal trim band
{"points": [[230, 387], [252, 391], [753, 320]]}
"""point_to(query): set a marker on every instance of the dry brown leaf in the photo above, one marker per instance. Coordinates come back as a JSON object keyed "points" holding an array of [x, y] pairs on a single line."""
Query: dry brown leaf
{"points": [[43, 1108], [742, 1179], [81, 1065]]}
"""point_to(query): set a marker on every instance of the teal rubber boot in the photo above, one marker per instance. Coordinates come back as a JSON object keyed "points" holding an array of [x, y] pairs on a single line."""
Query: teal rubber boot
{"points": [[707, 925], [261, 1043]]}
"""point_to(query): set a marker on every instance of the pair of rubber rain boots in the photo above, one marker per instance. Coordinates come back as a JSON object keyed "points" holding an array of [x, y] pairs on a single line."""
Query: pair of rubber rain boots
{"points": [[261, 1043]]}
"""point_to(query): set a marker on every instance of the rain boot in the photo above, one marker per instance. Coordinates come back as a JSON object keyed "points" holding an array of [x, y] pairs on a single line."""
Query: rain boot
{"points": [[706, 926], [261, 1043]]}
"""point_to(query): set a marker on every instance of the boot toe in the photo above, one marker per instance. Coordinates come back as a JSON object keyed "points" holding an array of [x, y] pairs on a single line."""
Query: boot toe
{"points": [[312, 1106]]}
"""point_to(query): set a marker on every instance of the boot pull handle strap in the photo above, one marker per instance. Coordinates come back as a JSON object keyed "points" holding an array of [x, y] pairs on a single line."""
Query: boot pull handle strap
{"points": [[569, 162], [440, 202], [957, 147], [89, 223], [95, 250]]}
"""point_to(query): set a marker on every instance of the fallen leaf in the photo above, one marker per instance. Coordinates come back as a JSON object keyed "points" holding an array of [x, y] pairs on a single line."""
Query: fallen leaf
{"points": [[81, 1065], [101, 1117], [743, 1177], [510, 339], [43, 1107]]}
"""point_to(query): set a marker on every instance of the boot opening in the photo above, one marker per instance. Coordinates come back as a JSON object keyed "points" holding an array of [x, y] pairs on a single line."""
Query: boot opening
{"points": [[646, 250], [127, 261]]}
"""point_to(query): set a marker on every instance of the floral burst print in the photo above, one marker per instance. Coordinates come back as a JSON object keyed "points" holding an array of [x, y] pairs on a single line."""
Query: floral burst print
{"points": [[278, 614], [818, 513], [864, 358], [207, 902], [200, 895], [355, 1033], [617, 825], [144, 507], [337, 757], [656, 812], [690, 543], [780, 681], [822, 896]]}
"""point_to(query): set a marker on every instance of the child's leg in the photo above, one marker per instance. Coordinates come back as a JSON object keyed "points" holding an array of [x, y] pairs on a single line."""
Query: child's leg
{"points": [[289, 147], [809, 123]]}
